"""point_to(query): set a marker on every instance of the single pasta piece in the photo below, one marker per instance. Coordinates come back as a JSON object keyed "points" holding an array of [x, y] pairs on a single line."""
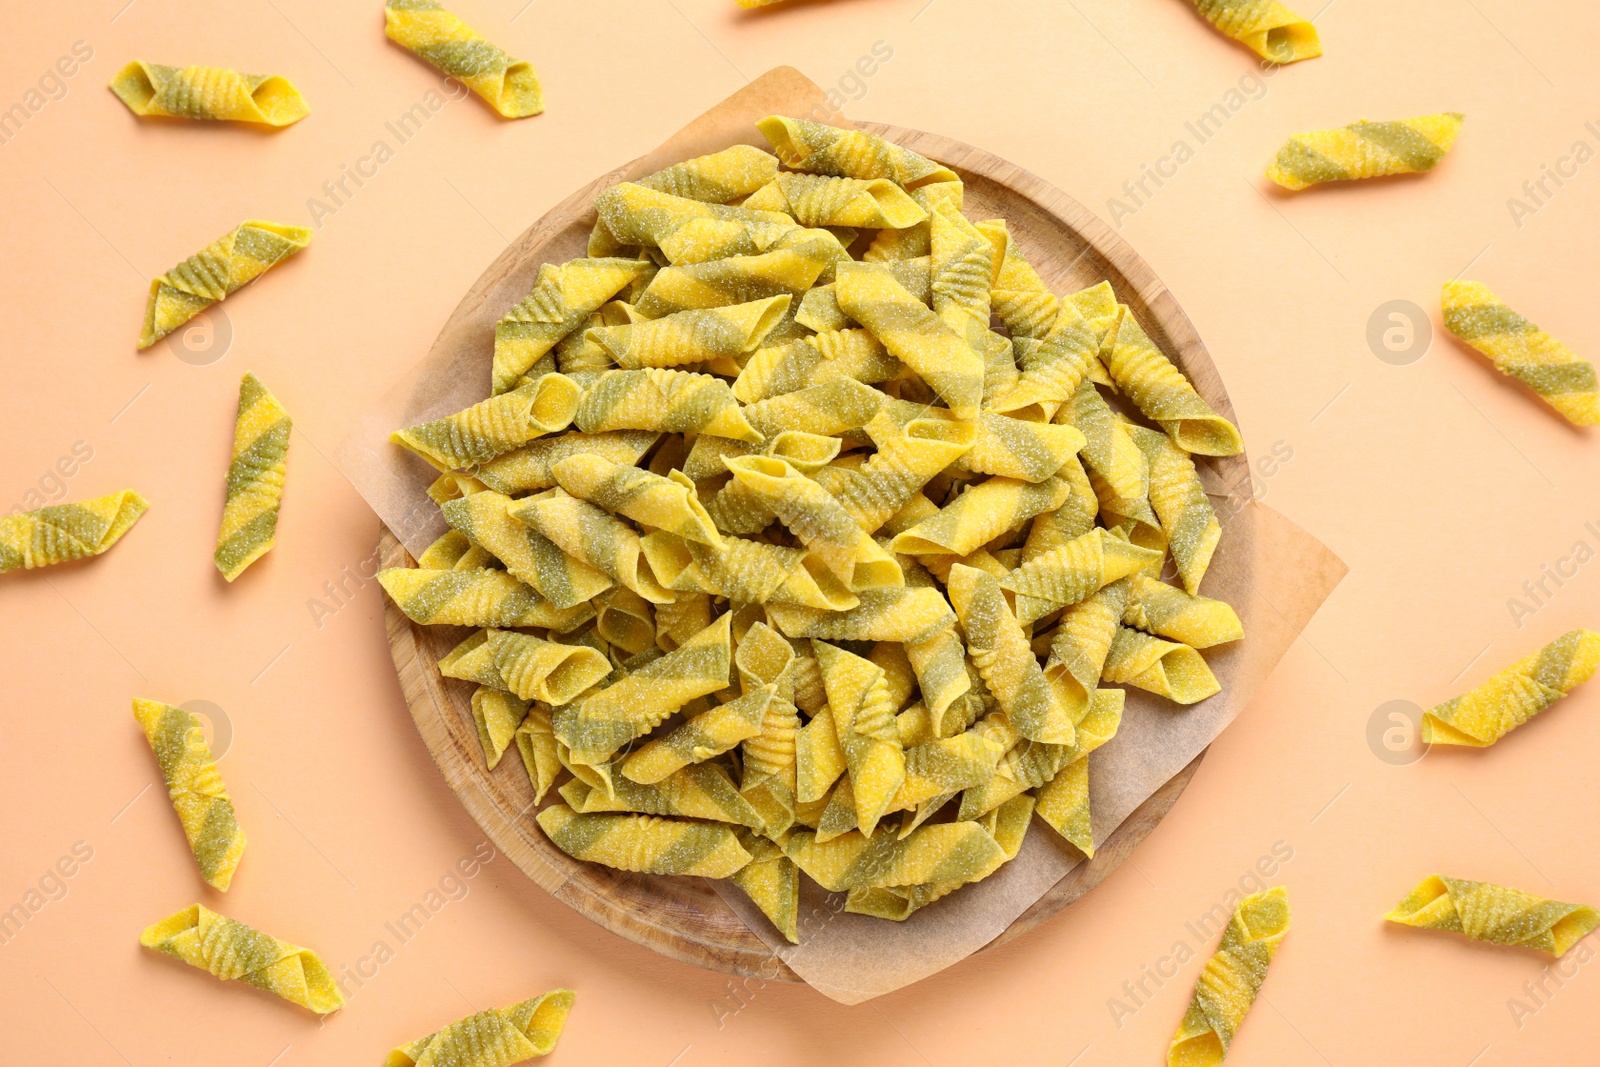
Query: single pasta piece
{"points": [[62, 532], [1082, 641], [1021, 299], [685, 230], [708, 734], [592, 535], [196, 789], [914, 335], [255, 480], [1054, 367], [476, 596], [817, 200], [820, 149], [819, 757], [1165, 396], [1013, 448], [749, 572], [772, 882], [208, 93], [697, 791], [1515, 695], [665, 504], [531, 467], [1266, 27], [1001, 653], [562, 299], [692, 336], [536, 742], [1180, 502], [672, 401], [496, 425], [498, 716], [231, 950], [791, 267], [647, 844], [1231, 980], [536, 669], [899, 613], [840, 354], [531, 557], [1522, 351], [829, 407], [731, 174], [1110, 454], [221, 268], [958, 852], [1365, 150], [940, 664], [498, 1037], [979, 515], [1080, 568], [863, 716], [1169, 612], [1164, 668], [1032, 764], [1494, 913], [442, 40], [1063, 801]]}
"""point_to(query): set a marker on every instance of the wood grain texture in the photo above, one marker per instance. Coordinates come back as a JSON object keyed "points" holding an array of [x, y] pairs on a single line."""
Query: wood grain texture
{"points": [[683, 917]]}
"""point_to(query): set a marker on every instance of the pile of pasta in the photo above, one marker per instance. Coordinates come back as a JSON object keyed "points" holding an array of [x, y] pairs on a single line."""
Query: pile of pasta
{"points": [[804, 531]]}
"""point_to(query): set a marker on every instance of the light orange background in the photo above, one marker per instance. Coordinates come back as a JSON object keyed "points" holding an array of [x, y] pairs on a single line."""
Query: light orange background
{"points": [[1443, 487]]}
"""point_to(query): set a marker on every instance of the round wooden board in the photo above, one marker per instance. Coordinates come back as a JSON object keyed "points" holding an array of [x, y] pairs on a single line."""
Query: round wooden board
{"points": [[684, 918]]}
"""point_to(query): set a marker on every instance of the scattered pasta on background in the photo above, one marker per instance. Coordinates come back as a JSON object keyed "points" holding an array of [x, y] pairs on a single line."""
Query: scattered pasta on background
{"points": [[1365, 150], [195, 788], [1231, 980], [1522, 351], [208, 93], [215, 272], [784, 560], [255, 479], [439, 38], [1266, 27], [498, 1037], [59, 533], [233, 951], [1483, 716], [1494, 913]]}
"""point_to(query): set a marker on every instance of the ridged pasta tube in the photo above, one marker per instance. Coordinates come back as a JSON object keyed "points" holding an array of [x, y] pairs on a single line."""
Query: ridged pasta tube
{"points": [[1169, 612], [476, 596], [791, 267], [914, 335], [718, 178], [979, 515], [63, 532], [772, 882], [695, 791], [498, 1037], [233, 951], [208, 93], [863, 716], [1365, 150], [497, 425], [708, 734], [671, 401], [820, 149], [497, 715], [536, 742], [1165, 668], [1522, 351], [818, 200], [218, 270], [1082, 640], [195, 788], [1266, 27], [668, 504], [594, 536], [1486, 714], [904, 462], [255, 480], [1231, 980], [1079, 568], [443, 41], [899, 613], [486, 519], [536, 669], [840, 354], [692, 336], [939, 852], [749, 572], [647, 844], [1165, 396], [530, 468], [1494, 913], [1180, 502], [562, 299]]}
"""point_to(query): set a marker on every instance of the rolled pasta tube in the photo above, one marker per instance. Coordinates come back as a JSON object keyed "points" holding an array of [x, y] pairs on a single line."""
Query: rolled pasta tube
{"points": [[1012, 448], [1166, 611], [1083, 639], [708, 734], [680, 620], [497, 715], [195, 788], [231, 950], [841, 354], [863, 716], [208, 93], [623, 619], [904, 462], [530, 468], [443, 41], [255, 480], [1365, 150], [1164, 668], [497, 425], [477, 597], [668, 504], [1164, 395], [637, 215], [948, 765], [1266, 27], [486, 519], [638, 702], [1063, 805], [1483, 716], [749, 572], [830, 407], [60, 533], [898, 613], [1055, 367], [562, 299], [772, 882], [473, 661], [498, 1037], [1109, 450], [1231, 980], [1032, 764], [593, 536], [940, 665], [695, 791], [979, 515], [1181, 504], [536, 743], [1522, 351], [692, 336], [790, 268], [212, 274], [647, 844], [1002, 656], [1496, 914], [820, 310], [536, 669], [938, 852], [913, 334], [819, 757], [730, 174], [820, 149], [670, 401], [819, 200]]}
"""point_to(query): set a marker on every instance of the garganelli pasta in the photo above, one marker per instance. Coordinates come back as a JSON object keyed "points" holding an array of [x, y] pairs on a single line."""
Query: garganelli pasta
{"points": [[783, 561], [1266, 27], [212, 93], [233, 951], [255, 479], [59, 533], [1522, 351], [498, 1037], [1231, 980], [196, 789], [1486, 714], [1365, 150], [442, 40], [229, 263], [1495, 913]]}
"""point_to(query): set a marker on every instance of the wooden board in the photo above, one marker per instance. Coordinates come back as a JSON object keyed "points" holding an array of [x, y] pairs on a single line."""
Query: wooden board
{"points": [[683, 917]]}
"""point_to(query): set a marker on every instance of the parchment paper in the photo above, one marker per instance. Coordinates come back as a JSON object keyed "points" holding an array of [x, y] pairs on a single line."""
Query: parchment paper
{"points": [[1275, 575]]}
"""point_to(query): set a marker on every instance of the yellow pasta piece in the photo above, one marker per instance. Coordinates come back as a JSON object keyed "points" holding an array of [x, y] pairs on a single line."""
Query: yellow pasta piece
{"points": [[692, 336], [623, 619], [750, 572], [1231, 980], [1054, 368], [1063, 805], [63, 532], [1486, 714], [217, 271], [255, 479], [592, 535], [475, 597], [536, 742], [531, 467], [686, 230], [906, 460], [497, 425], [562, 299], [1164, 668], [944, 766], [213, 93], [863, 715], [830, 408], [1012, 448], [914, 335], [819, 308], [1003, 658], [1365, 150], [440, 39], [959, 852], [536, 669], [1494, 913], [647, 844], [1161, 391], [1266, 27], [1166, 611], [668, 504], [637, 703], [765, 658], [819, 757], [233, 951], [1083, 638], [449, 551], [772, 882], [791, 267], [940, 663], [817, 200], [1109, 452], [899, 613], [1032, 764], [1079, 568], [695, 791], [498, 1037], [486, 519], [473, 661], [708, 734], [196, 789], [981, 514], [731, 174], [840, 354], [819, 149], [498, 716], [1523, 351], [664, 400], [1020, 298]]}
